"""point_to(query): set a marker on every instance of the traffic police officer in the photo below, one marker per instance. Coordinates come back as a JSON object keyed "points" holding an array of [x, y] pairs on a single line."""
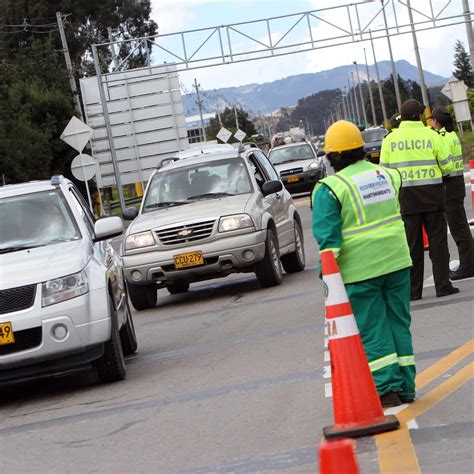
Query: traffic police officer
{"points": [[356, 215], [417, 153], [455, 192]]}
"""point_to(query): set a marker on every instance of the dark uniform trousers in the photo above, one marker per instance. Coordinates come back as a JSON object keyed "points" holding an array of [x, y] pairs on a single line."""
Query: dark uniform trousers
{"points": [[435, 225], [459, 227]]}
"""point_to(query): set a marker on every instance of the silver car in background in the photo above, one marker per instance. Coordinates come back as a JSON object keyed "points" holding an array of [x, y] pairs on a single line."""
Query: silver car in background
{"points": [[299, 165], [207, 217]]}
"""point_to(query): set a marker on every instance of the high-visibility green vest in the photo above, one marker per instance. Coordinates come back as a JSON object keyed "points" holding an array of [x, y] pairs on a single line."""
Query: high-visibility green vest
{"points": [[453, 145], [418, 153], [373, 235]]}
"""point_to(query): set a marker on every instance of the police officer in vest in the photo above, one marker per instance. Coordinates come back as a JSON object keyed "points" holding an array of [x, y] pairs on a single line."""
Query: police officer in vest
{"points": [[455, 193], [356, 215], [418, 154]]}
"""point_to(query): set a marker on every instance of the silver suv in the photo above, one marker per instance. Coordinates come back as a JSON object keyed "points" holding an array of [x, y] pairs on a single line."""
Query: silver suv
{"points": [[299, 165], [63, 301], [206, 217]]}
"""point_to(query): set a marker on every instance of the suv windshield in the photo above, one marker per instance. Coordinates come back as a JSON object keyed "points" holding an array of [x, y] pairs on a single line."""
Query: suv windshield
{"points": [[207, 180], [293, 153], [35, 219], [373, 135]]}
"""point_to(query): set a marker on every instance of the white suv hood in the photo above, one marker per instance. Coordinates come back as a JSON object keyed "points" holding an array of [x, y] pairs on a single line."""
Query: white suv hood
{"points": [[207, 209], [36, 265], [295, 164]]}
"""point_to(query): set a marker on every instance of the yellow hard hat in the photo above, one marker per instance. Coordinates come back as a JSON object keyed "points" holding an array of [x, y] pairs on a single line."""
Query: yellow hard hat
{"points": [[342, 136]]}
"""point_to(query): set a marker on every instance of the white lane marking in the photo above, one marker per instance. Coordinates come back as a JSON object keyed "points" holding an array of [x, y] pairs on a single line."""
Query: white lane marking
{"points": [[327, 356], [327, 372], [453, 265], [412, 424], [328, 390], [326, 342], [395, 410]]}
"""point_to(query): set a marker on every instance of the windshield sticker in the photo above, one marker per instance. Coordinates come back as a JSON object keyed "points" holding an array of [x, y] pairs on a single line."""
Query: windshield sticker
{"points": [[373, 187]]}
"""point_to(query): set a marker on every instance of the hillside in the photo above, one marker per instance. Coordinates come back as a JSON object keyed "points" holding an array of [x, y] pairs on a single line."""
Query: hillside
{"points": [[270, 96]]}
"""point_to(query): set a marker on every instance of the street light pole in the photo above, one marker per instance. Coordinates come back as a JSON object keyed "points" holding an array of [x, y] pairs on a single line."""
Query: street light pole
{"points": [[379, 84], [394, 69], [355, 98], [351, 101], [469, 30], [372, 106], [361, 96]]}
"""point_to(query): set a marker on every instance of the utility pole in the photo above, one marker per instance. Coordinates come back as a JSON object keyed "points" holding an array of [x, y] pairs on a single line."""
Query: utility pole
{"points": [[355, 99], [394, 69], [424, 92], [372, 106], [112, 48], [469, 30], [67, 57], [199, 104], [351, 101], [379, 84], [361, 96], [236, 118], [344, 106], [218, 112]]}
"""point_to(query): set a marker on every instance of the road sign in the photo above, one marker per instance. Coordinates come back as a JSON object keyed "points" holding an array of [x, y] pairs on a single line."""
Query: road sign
{"points": [[224, 135], [240, 135], [83, 167], [77, 134], [455, 89]]}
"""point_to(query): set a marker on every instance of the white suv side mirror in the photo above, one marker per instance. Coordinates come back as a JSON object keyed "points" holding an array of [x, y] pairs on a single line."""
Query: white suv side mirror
{"points": [[108, 227]]}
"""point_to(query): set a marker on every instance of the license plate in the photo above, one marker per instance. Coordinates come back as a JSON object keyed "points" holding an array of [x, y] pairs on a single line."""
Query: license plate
{"points": [[189, 259], [293, 179], [6, 333], [375, 154]]}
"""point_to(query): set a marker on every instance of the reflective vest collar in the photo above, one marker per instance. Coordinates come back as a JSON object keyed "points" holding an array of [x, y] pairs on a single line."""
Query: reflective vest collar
{"points": [[411, 124]]}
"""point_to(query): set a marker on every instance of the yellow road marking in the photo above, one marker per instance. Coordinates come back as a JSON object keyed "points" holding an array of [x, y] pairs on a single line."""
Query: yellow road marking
{"points": [[395, 449]]}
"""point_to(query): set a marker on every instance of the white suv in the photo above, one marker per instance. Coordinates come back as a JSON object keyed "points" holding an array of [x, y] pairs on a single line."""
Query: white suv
{"points": [[63, 301]]}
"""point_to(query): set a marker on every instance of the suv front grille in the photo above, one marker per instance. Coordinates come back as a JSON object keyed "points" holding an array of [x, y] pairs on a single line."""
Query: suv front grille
{"points": [[185, 233], [292, 171], [24, 340], [16, 299]]}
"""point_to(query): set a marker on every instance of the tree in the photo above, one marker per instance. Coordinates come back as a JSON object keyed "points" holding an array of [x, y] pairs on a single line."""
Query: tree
{"points": [[228, 121], [462, 64]]}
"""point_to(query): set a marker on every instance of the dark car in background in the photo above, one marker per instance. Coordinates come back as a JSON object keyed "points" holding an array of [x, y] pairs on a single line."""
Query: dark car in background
{"points": [[373, 142]]}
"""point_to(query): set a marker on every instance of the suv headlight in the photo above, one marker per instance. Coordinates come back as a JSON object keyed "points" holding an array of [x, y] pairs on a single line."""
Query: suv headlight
{"points": [[237, 221], [313, 166], [65, 288], [136, 241]]}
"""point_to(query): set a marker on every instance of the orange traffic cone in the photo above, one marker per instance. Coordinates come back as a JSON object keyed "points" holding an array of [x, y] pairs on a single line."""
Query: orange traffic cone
{"points": [[336, 457], [426, 244], [356, 404]]}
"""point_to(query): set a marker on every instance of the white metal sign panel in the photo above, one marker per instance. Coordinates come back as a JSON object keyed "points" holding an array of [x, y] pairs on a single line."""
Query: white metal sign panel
{"points": [[77, 134], [462, 112], [83, 167], [224, 135], [240, 135], [147, 119]]}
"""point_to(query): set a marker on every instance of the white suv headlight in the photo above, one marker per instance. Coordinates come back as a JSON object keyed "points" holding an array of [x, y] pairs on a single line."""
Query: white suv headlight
{"points": [[64, 288], [313, 166], [136, 241], [237, 221]]}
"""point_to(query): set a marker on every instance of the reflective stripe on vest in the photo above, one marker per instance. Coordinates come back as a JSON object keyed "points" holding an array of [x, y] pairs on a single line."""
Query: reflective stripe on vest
{"points": [[383, 362], [458, 166], [404, 361], [372, 226]]}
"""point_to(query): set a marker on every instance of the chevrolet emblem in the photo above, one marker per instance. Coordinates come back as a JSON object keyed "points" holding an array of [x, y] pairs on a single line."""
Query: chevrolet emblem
{"points": [[185, 232]]}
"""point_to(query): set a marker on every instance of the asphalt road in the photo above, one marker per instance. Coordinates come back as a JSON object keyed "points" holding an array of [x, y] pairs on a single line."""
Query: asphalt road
{"points": [[231, 378]]}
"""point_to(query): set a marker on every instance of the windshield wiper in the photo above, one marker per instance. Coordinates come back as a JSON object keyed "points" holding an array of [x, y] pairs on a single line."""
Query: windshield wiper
{"points": [[165, 204], [288, 161], [213, 195], [16, 248]]}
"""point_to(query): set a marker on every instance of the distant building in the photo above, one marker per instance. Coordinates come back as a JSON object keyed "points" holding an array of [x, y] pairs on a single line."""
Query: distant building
{"points": [[193, 125]]}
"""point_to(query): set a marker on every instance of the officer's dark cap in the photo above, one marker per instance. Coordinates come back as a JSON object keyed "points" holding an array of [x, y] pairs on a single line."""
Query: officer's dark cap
{"points": [[395, 120], [411, 110], [441, 114]]}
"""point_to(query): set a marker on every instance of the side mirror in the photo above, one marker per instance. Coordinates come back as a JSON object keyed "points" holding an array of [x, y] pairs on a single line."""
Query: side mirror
{"points": [[107, 228], [130, 213], [320, 153], [271, 187]]}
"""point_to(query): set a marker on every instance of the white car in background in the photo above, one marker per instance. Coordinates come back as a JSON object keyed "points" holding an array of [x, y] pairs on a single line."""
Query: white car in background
{"points": [[63, 299]]}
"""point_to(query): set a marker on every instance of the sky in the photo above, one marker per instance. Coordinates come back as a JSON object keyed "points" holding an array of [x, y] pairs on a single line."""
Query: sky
{"points": [[436, 46]]}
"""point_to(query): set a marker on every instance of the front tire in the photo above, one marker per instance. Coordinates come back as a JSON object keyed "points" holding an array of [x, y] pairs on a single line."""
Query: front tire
{"points": [[179, 286], [295, 261], [268, 270], [142, 296], [111, 366], [128, 337]]}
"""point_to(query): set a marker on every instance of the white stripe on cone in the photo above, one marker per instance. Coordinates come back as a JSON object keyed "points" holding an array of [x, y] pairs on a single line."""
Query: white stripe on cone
{"points": [[335, 290], [342, 326]]}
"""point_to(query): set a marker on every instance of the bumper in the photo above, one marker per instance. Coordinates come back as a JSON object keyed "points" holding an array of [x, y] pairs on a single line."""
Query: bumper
{"points": [[43, 335], [221, 257], [303, 181], [373, 156]]}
